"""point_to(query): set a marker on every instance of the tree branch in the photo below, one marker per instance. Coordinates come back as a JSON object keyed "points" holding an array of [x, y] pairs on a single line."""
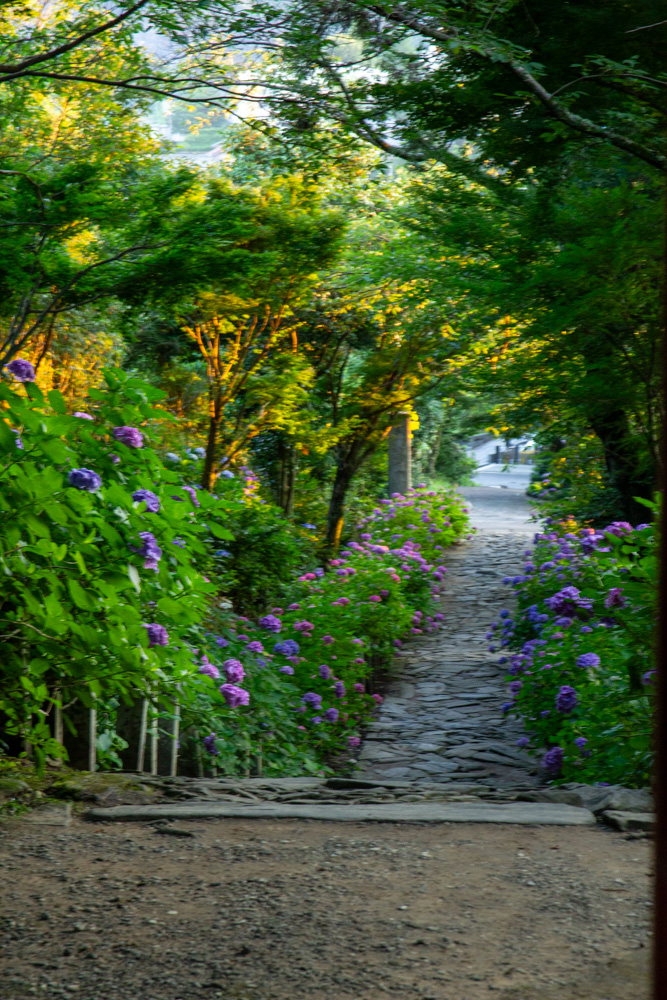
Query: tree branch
{"points": [[7, 68]]}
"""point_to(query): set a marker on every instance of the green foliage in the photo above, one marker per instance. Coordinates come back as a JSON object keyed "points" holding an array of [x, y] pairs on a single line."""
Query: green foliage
{"points": [[346, 620], [77, 595], [589, 594]]}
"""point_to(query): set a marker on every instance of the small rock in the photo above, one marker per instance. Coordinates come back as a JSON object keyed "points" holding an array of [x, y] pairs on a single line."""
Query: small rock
{"points": [[173, 831], [11, 788], [50, 814], [629, 821]]}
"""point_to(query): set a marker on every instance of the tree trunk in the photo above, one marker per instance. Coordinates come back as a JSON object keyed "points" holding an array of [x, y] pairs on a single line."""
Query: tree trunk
{"points": [[290, 480], [624, 462], [287, 478], [208, 475], [336, 514]]}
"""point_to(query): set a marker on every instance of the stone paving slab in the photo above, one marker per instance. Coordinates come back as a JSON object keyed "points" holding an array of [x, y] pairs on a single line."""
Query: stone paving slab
{"points": [[442, 714], [523, 813]]}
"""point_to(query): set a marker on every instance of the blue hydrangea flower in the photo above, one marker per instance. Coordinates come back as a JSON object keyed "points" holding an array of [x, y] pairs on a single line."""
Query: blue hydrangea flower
{"points": [[84, 479], [149, 498], [587, 660], [552, 761], [566, 699]]}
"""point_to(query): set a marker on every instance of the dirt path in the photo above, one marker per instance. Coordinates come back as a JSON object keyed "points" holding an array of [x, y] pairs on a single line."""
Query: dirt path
{"points": [[283, 910]]}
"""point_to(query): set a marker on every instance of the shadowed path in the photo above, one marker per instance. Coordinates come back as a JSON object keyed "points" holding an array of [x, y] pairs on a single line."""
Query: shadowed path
{"points": [[441, 720]]}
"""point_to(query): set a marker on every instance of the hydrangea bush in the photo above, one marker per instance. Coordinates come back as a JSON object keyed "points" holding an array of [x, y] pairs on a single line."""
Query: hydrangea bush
{"points": [[116, 588], [340, 623], [101, 550], [580, 651]]}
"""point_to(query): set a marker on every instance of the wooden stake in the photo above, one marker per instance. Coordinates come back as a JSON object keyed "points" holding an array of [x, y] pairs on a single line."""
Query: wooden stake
{"points": [[141, 752]]}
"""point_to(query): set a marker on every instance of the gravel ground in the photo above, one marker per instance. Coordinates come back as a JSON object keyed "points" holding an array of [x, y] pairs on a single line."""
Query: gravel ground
{"points": [[284, 910]]}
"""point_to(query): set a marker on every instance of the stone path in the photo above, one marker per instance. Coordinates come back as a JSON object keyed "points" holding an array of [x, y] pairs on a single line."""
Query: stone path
{"points": [[441, 720]]}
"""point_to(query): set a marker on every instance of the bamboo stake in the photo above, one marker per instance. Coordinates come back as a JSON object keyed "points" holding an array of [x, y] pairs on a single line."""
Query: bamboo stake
{"points": [[173, 770], [141, 752]]}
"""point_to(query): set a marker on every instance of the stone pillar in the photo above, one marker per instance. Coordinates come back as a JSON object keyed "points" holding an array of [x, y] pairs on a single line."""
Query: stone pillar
{"points": [[400, 458]]}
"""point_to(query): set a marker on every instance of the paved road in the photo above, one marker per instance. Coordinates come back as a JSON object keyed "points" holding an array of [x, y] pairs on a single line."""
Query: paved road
{"points": [[515, 477], [441, 720]]}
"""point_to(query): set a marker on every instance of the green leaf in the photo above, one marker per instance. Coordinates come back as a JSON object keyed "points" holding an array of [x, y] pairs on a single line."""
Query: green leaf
{"points": [[135, 579], [219, 532], [57, 401], [80, 597]]}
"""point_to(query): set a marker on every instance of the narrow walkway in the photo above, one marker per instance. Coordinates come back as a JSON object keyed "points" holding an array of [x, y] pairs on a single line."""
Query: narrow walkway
{"points": [[441, 720]]}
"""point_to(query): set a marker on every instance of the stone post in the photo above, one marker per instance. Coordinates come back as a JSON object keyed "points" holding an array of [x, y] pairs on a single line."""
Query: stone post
{"points": [[400, 458]]}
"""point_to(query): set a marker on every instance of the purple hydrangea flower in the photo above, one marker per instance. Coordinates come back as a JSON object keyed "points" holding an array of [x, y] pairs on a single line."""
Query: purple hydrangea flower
{"points": [[82, 416], [552, 761], [316, 720], [84, 479], [209, 744], [324, 671], [221, 641], [19, 441], [648, 678], [149, 498], [209, 668], [566, 699], [150, 550], [339, 689], [193, 495], [615, 599], [331, 715], [157, 635], [522, 742], [327, 639], [21, 369], [354, 742], [515, 687], [270, 623], [286, 670], [255, 647], [312, 699], [567, 601], [234, 671], [288, 647], [130, 436], [580, 742], [234, 696], [588, 660]]}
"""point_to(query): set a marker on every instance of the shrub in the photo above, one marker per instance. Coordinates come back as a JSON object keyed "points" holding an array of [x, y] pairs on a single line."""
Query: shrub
{"points": [[344, 620], [581, 674], [102, 594]]}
